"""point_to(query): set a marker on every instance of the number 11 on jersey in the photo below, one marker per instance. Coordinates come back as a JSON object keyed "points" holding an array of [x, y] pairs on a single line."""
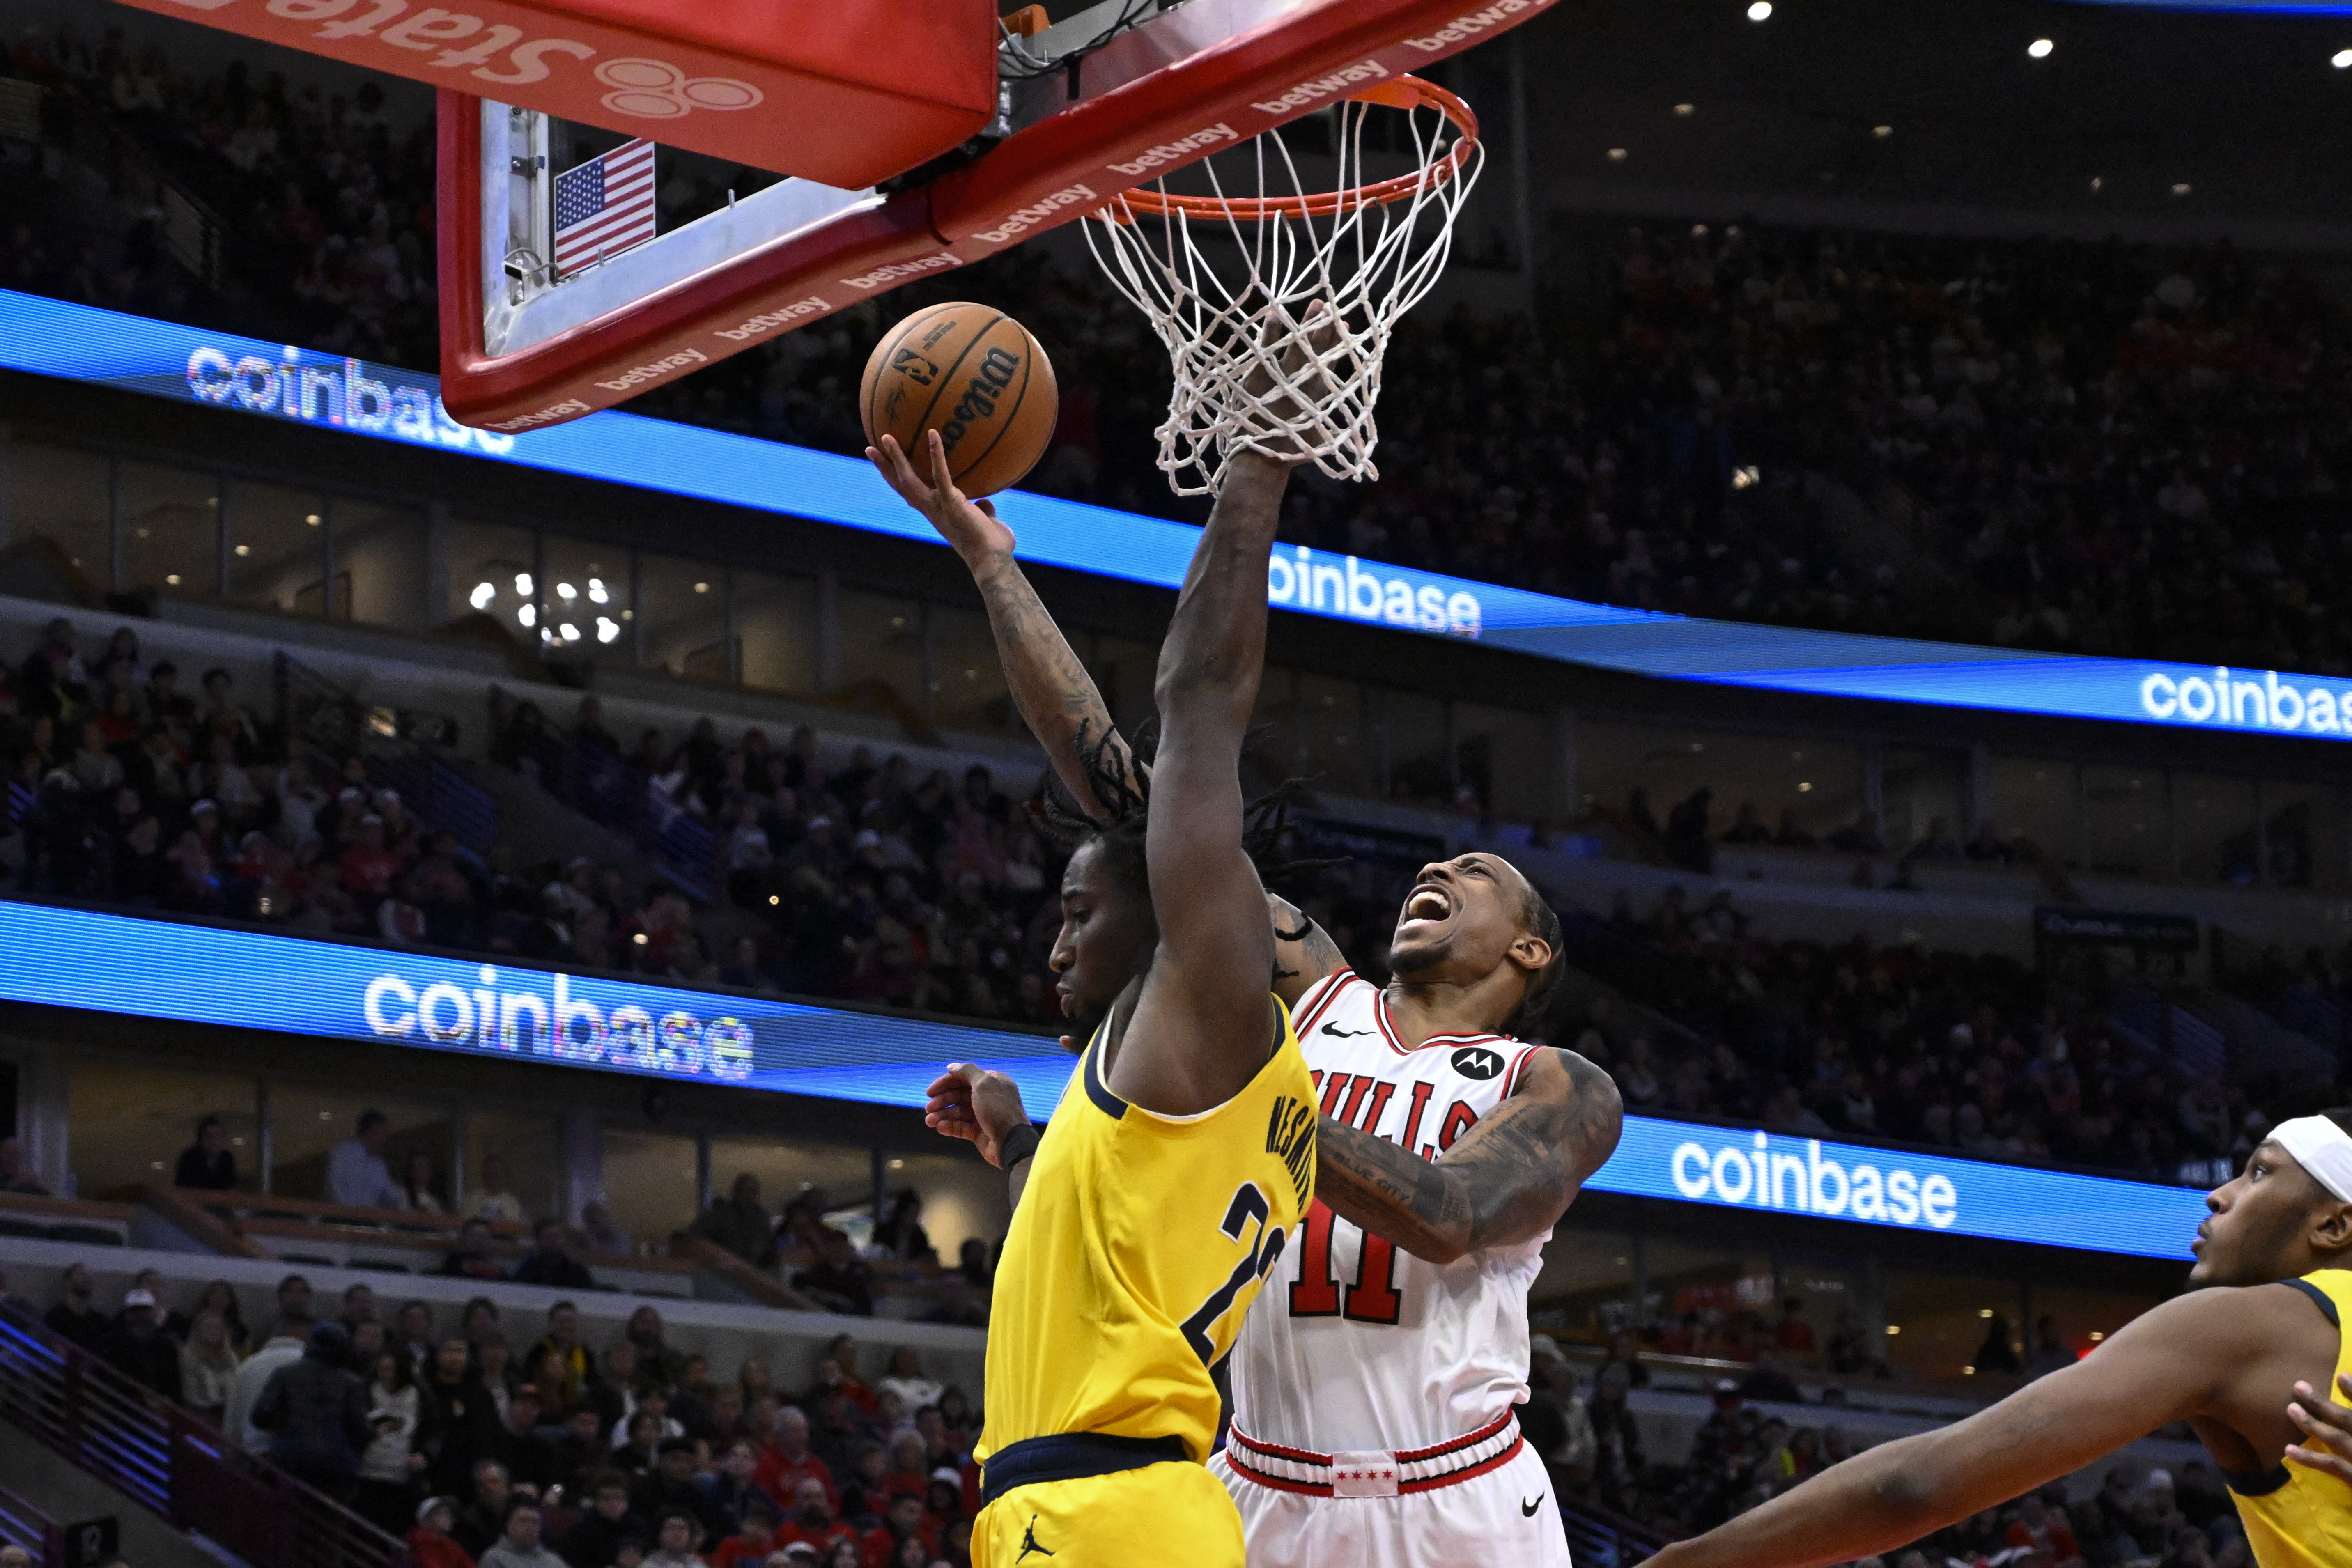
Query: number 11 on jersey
{"points": [[1371, 1299]]}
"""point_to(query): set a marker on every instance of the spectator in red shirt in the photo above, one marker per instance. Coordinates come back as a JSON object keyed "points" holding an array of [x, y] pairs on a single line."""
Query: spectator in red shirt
{"points": [[368, 868], [908, 1472], [813, 1520], [839, 1369], [1794, 1335], [788, 1461], [2045, 1533], [755, 1537], [905, 1519], [430, 1544]]}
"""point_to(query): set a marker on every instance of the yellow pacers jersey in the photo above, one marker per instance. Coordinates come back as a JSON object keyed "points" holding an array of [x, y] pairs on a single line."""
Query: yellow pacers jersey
{"points": [[2297, 1518], [1139, 1242]]}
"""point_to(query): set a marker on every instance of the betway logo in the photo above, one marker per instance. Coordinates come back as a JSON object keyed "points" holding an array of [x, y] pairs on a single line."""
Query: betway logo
{"points": [[1465, 27], [1299, 582], [1174, 151], [771, 320], [1308, 93], [2263, 702], [553, 414], [340, 393], [897, 269], [540, 1017], [1768, 1175], [658, 370], [1030, 216]]}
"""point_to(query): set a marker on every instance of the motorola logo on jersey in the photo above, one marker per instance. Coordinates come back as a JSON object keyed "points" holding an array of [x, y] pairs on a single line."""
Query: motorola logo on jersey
{"points": [[1481, 1062]]}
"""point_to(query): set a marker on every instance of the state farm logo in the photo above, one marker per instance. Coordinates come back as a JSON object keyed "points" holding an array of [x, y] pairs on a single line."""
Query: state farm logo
{"points": [[657, 90]]}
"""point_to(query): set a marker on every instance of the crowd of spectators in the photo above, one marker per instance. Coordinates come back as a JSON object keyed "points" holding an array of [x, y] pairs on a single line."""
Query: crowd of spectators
{"points": [[2084, 447], [324, 198], [875, 882], [509, 1445], [1974, 1052], [869, 881]]}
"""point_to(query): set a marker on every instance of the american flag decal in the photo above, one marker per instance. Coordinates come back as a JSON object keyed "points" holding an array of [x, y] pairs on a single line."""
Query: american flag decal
{"points": [[604, 206]]}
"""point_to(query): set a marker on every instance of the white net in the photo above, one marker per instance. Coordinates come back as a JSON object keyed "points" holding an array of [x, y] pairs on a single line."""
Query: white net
{"points": [[1234, 281]]}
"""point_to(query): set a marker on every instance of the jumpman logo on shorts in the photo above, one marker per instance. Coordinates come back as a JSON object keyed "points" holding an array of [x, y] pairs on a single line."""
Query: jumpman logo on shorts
{"points": [[1029, 1543]]}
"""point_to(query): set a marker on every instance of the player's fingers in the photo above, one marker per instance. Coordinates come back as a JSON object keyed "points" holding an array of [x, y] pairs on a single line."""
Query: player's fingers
{"points": [[987, 508], [2318, 1426], [2321, 1460], [949, 1086]]}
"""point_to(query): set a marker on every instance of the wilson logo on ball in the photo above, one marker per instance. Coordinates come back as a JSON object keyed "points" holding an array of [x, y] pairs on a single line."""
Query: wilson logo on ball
{"points": [[997, 368]]}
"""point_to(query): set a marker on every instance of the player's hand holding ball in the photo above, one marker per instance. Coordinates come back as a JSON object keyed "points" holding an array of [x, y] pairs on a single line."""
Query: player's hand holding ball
{"points": [[970, 1103], [971, 527]]}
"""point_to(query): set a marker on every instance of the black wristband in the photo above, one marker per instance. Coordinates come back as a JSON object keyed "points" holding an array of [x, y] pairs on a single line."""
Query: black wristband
{"points": [[1017, 1145]]}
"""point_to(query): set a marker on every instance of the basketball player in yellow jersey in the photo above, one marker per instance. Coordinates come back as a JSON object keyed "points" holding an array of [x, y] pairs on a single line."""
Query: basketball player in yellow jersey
{"points": [[2275, 1256], [1183, 1154]]}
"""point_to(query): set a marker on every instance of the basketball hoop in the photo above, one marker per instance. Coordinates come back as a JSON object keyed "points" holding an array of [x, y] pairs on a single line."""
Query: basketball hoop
{"points": [[1232, 282]]}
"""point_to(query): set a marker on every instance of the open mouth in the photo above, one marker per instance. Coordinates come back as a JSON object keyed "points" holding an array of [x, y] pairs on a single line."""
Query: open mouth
{"points": [[1426, 904]]}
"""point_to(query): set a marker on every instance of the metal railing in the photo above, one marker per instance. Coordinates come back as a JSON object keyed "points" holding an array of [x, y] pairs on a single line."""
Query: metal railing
{"points": [[170, 1462], [22, 1524], [613, 792], [393, 744]]}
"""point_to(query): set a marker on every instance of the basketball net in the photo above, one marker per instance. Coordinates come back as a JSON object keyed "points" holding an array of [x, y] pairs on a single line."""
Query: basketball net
{"points": [[1274, 301]]}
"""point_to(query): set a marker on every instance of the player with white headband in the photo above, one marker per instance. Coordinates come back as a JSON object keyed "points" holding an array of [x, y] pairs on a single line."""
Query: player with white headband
{"points": [[2274, 1260]]}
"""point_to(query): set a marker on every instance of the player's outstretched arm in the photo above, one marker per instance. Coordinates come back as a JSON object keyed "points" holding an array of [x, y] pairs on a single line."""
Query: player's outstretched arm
{"points": [[1057, 698], [1506, 1181], [2167, 1366], [1204, 1026]]}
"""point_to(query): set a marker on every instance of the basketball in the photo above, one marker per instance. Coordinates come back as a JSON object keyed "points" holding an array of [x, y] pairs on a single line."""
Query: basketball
{"points": [[976, 376]]}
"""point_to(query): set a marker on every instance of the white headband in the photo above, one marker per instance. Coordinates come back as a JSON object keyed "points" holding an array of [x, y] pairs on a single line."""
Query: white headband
{"points": [[2320, 1147]]}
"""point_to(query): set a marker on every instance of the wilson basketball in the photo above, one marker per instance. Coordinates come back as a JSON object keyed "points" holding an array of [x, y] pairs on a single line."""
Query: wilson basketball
{"points": [[977, 377]]}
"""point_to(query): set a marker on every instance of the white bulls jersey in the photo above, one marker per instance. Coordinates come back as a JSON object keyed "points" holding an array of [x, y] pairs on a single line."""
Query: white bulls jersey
{"points": [[1356, 1344]]}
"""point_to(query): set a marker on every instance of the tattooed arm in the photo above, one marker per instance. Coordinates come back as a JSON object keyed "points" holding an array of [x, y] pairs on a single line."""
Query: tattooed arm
{"points": [[1506, 1181], [1057, 696], [1304, 951]]}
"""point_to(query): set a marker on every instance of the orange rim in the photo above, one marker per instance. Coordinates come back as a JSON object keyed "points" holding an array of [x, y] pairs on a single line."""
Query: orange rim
{"points": [[1406, 92]]}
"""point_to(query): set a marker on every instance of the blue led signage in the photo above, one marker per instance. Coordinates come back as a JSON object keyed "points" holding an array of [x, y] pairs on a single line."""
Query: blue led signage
{"points": [[276, 382], [208, 975]]}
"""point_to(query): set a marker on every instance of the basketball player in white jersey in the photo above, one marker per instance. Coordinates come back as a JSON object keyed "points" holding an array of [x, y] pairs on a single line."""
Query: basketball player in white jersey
{"points": [[1374, 1379]]}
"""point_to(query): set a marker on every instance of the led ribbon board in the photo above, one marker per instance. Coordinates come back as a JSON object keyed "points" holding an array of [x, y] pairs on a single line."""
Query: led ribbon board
{"points": [[270, 381], [336, 991]]}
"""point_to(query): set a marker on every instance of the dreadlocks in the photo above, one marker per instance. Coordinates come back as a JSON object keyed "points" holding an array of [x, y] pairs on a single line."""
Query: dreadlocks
{"points": [[1117, 779]]}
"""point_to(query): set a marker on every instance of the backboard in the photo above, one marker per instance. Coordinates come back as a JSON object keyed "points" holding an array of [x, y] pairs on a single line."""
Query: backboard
{"points": [[1120, 93]]}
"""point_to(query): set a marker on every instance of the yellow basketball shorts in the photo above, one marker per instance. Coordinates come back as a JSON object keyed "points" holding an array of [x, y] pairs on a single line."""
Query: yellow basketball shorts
{"points": [[1173, 1512]]}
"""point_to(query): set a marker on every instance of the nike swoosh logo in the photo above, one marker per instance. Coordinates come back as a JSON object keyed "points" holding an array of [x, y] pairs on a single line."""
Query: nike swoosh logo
{"points": [[1527, 1510], [1345, 1034]]}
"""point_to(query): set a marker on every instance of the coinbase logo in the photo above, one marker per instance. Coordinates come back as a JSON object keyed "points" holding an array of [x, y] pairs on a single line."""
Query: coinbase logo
{"points": [[1764, 1176], [542, 1017], [2246, 701], [1345, 586], [310, 390]]}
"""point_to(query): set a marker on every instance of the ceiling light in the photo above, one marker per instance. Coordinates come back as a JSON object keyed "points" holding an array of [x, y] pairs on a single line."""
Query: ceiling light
{"points": [[566, 591], [482, 595], [2096, 1337], [248, 549], [1616, 154], [528, 615], [1761, 11], [1882, 131], [702, 587], [1804, 786], [2040, 49], [2341, 59], [172, 579], [2181, 188], [1685, 111], [608, 629], [310, 520], [1984, 1311], [596, 595], [522, 584], [2096, 183], [570, 632], [1893, 1328]]}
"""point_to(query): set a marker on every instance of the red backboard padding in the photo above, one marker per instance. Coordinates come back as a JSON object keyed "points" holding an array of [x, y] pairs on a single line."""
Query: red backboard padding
{"points": [[846, 92]]}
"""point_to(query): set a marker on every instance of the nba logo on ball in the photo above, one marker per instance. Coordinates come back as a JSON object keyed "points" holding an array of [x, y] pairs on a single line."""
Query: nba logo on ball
{"points": [[976, 376]]}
